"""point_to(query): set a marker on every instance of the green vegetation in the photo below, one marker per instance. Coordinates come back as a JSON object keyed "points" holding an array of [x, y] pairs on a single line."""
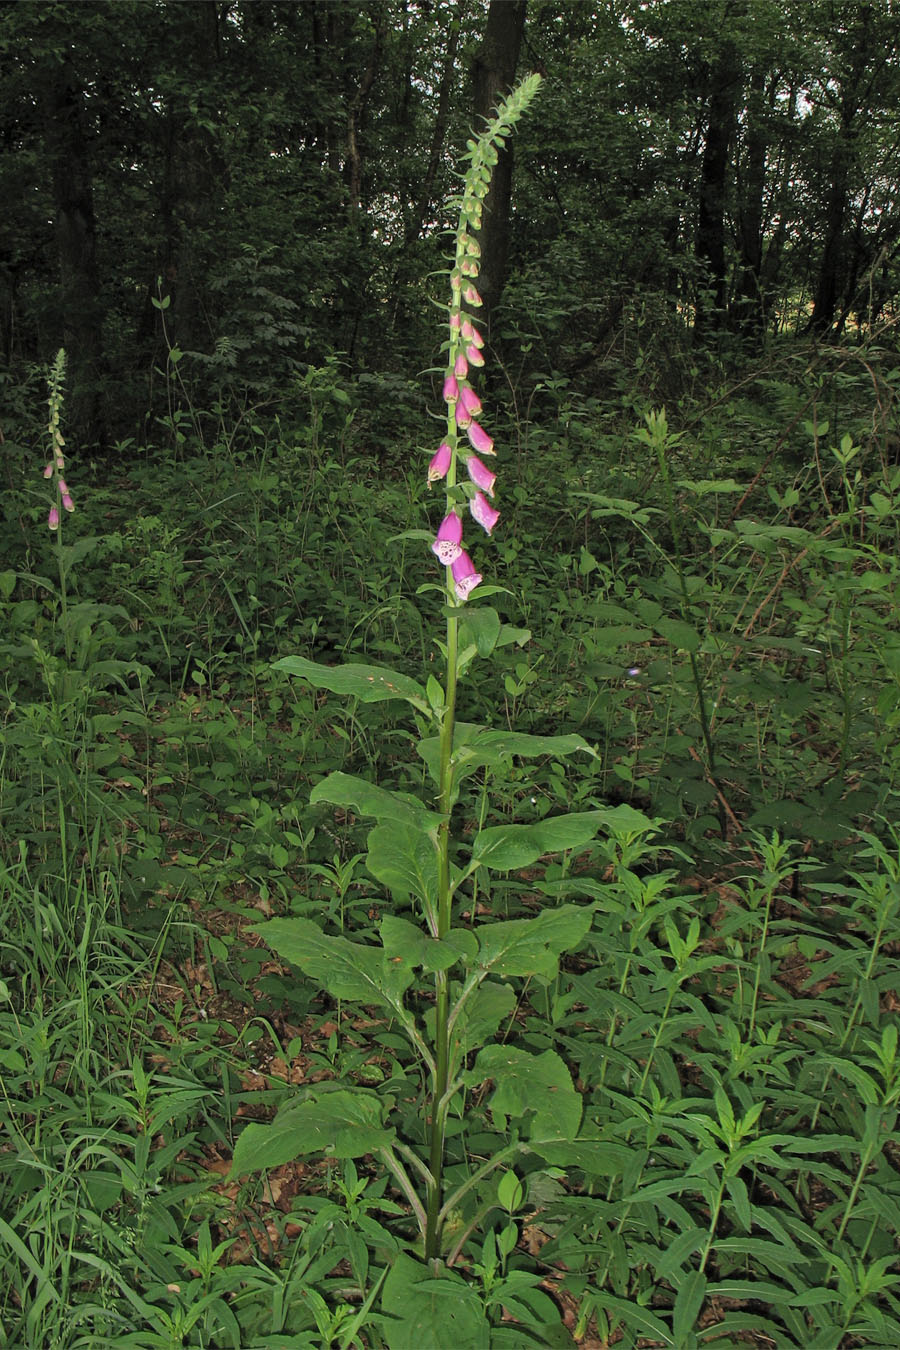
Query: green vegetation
{"points": [[673, 1107]]}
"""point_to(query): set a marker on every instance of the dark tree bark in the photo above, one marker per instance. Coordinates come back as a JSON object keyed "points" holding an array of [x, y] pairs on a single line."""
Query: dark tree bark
{"points": [[194, 177], [725, 80], [750, 307], [863, 66], [357, 110], [67, 148], [439, 134], [494, 72]]}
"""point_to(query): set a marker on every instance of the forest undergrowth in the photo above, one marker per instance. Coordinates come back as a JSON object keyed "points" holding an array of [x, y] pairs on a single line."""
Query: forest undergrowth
{"points": [[708, 599]]}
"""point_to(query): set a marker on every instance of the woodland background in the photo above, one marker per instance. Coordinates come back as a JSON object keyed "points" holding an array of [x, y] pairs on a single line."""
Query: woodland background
{"points": [[704, 176], [234, 217]]}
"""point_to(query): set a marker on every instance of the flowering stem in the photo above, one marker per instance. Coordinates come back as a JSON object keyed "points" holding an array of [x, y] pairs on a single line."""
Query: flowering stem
{"points": [[444, 919], [460, 579]]}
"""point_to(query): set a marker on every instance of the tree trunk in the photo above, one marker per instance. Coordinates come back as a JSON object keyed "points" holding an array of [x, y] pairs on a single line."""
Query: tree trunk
{"points": [[494, 72], [710, 241], [749, 307], [76, 238]]}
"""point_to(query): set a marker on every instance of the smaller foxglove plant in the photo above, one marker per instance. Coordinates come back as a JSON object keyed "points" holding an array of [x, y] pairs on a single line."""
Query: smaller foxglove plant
{"points": [[56, 466]]}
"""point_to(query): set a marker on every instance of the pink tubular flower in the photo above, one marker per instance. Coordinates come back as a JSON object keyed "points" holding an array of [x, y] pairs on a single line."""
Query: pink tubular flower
{"points": [[451, 389], [481, 475], [471, 297], [473, 355], [48, 472], [448, 543], [481, 441], [465, 578], [67, 502], [471, 333], [463, 420], [461, 367], [53, 518], [470, 400], [440, 463], [454, 320], [483, 512]]}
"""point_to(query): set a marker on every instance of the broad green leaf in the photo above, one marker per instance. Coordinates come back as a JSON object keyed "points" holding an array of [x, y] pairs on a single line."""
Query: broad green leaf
{"points": [[412, 947], [442, 1313], [370, 684], [345, 969], [346, 1123], [532, 946], [476, 747], [505, 847], [597, 1157], [481, 1015], [404, 859], [526, 1083], [344, 789], [678, 633], [481, 626], [531, 747]]}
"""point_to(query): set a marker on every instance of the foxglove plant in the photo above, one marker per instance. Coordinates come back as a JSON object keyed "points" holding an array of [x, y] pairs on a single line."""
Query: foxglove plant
{"points": [[54, 470], [447, 988]]}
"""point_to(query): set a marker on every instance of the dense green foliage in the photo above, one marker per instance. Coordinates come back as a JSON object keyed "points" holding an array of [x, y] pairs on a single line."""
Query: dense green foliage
{"points": [[707, 597]]}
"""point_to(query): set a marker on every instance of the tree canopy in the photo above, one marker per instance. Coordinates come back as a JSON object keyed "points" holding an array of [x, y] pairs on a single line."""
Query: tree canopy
{"points": [[256, 185]]}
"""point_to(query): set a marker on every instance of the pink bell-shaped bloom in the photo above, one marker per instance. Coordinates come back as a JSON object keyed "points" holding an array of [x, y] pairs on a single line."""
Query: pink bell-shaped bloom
{"points": [[481, 441], [471, 333], [62, 486], [470, 400], [451, 389], [465, 578], [481, 475], [473, 356], [67, 502], [455, 320], [460, 367], [448, 543], [440, 462], [48, 472], [483, 512], [463, 420], [471, 297], [53, 518]]}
